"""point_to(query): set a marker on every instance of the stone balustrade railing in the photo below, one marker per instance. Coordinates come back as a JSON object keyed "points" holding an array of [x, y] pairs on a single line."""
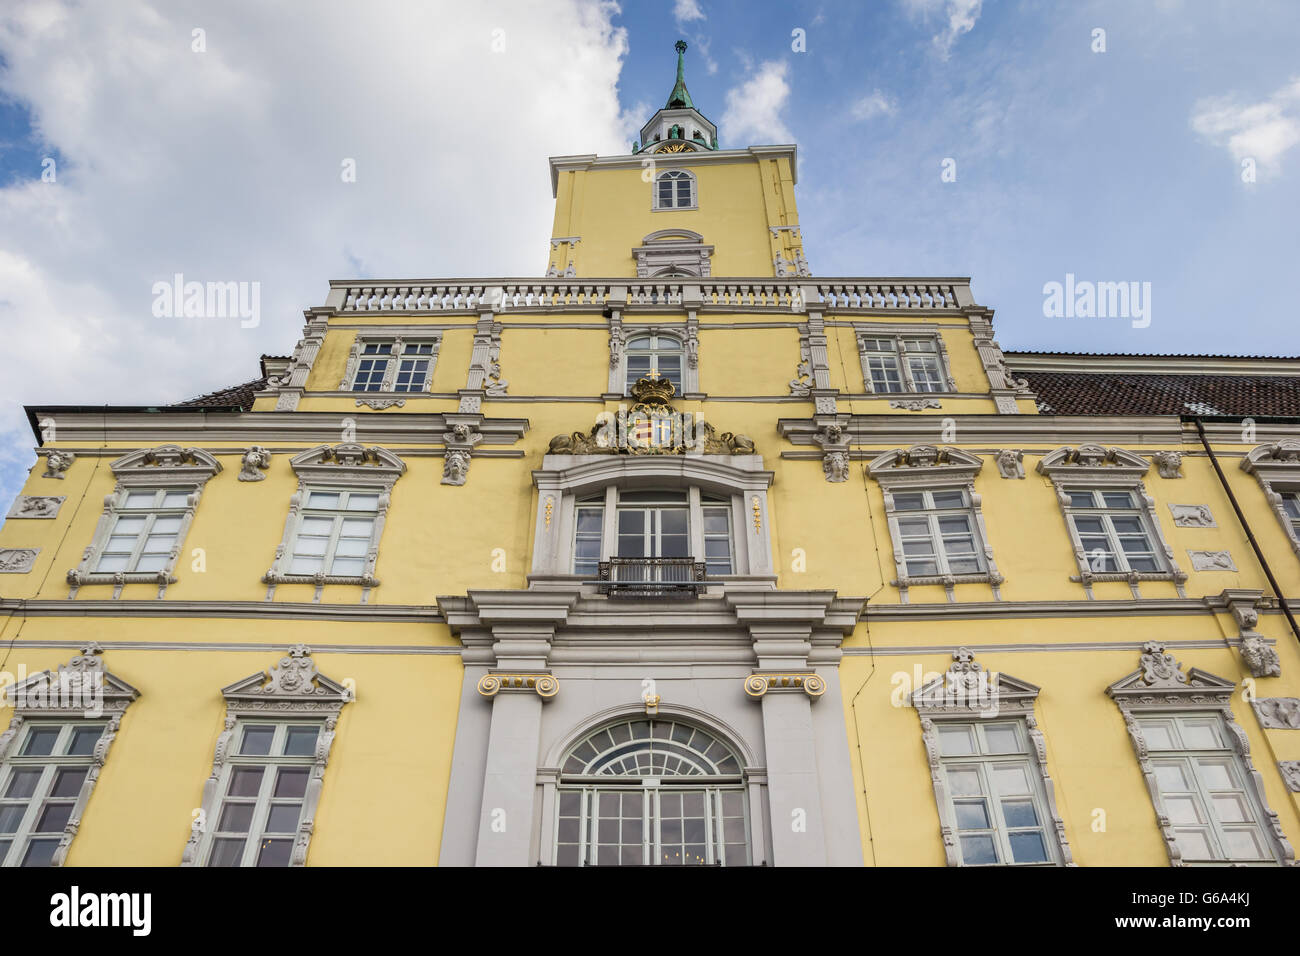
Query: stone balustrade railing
{"points": [[512, 295]]}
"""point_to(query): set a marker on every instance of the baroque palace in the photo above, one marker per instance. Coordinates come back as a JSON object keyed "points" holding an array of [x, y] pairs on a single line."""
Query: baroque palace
{"points": [[680, 554]]}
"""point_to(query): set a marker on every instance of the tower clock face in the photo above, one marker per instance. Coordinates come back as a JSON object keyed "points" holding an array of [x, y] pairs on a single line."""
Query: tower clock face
{"points": [[676, 148]]}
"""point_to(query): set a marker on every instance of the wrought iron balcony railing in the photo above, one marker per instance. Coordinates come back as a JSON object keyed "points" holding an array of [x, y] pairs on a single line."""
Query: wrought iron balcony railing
{"points": [[651, 577]]}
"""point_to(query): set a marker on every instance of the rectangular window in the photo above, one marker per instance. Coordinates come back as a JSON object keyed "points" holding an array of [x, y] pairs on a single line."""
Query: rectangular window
{"points": [[902, 363], [1112, 530], [1201, 785], [652, 826], [394, 365], [717, 537], [334, 533], [993, 794], [39, 785], [1291, 509], [262, 791], [146, 526], [588, 529], [412, 368], [372, 368], [936, 531]]}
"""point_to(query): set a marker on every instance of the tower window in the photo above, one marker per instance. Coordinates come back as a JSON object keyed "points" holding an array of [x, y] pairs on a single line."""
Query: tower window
{"points": [[675, 189], [655, 356]]}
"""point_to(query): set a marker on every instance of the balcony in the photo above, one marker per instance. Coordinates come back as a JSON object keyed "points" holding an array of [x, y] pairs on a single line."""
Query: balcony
{"points": [[640, 578]]}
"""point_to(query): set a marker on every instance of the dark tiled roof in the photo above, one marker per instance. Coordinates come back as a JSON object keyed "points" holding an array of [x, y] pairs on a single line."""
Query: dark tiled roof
{"points": [[1122, 393], [1287, 358], [241, 395]]}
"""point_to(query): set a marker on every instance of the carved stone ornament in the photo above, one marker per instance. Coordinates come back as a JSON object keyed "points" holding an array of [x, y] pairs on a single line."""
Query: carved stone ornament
{"points": [[761, 683], [256, 459], [1259, 656], [836, 466], [1277, 713], [292, 688], [1256, 653], [915, 404], [1159, 688], [1091, 455], [542, 684], [1168, 463], [17, 560], [379, 404], [35, 506], [1010, 462], [966, 693], [82, 689], [1192, 516], [1211, 561], [802, 382], [57, 463], [1290, 770], [651, 427]]}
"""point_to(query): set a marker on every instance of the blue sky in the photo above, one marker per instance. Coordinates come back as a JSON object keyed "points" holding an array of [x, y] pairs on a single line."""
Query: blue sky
{"points": [[223, 163]]}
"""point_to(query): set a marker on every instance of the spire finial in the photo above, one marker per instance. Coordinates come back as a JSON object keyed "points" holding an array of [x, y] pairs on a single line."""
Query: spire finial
{"points": [[680, 99]]}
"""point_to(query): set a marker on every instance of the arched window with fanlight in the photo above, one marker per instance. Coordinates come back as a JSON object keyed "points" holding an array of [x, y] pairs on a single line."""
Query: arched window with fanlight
{"points": [[675, 189], [646, 791], [654, 356]]}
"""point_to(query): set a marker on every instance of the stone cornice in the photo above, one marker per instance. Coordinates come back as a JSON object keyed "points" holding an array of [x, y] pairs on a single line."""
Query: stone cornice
{"points": [[668, 160]]}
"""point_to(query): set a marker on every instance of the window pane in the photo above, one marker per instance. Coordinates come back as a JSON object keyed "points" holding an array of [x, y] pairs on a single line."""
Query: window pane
{"points": [[22, 783], [283, 817], [11, 814], [323, 499], [971, 815], [301, 741], [1183, 810], [1080, 499], [949, 499], [274, 853], [53, 817], [68, 781], [245, 781], [226, 852], [40, 741], [40, 852], [1019, 813], [1216, 774], [236, 818], [291, 781], [358, 502], [909, 501], [139, 499], [1009, 780], [1170, 778], [1194, 845], [1001, 739], [1200, 735], [257, 740], [956, 741], [1158, 735], [1244, 844], [1117, 499], [978, 849], [962, 782], [1028, 847], [1231, 808], [83, 740]]}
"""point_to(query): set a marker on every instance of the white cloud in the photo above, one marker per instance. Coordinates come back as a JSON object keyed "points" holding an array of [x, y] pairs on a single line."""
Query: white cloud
{"points": [[702, 44], [754, 108], [1259, 131], [959, 17], [684, 11], [225, 166], [877, 104]]}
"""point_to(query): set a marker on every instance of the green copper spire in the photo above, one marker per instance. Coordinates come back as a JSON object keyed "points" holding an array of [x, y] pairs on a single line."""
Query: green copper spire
{"points": [[680, 99]]}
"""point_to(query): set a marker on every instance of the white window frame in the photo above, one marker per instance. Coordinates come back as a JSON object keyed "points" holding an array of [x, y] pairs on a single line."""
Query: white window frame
{"points": [[1106, 514], [345, 467], [168, 468], [898, 335], [655, 351], [262, 802], [678, 177], [337, 516], [60, 697], [1276, 466], [1159, 689], [686, 337], [695, 504], [1091, 466], [969, 695], [292, 691], [398, 342], [929, 469]]}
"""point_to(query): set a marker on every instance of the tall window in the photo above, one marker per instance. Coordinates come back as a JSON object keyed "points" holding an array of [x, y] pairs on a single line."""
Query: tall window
{"points": [[1112, 530], [902, 363], [993, 794], [674, 189], [651, 792], [146, 526], [263, 785], [654, 524], [391, 365], [1200, 780], [334, 532], [654, 356], [1291, 511], [936, 531], [39, 786]]}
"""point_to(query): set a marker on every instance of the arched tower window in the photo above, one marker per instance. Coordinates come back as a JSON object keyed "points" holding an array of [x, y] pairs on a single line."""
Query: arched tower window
{"points": [[675, 189], [649, 791], [656, 356]]}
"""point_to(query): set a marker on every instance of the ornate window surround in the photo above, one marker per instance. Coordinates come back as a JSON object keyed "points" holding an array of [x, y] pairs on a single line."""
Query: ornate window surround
{"points": [[563, 479], [399, 339], [167, 466], [1276, 466], [292, 688], [931, 468], [668, 251], [48, 695], [1159, 688], [1095, 466], [351, 466], [687, 335], [867, 330], [694, 187], [963, 695]]}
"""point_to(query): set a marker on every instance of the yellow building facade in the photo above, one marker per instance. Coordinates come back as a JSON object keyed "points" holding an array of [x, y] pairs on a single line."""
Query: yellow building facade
{"points": [[679, 554]]}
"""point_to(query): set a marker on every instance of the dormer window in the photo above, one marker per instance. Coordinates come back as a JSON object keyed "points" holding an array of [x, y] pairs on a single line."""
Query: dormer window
{"points": [[675, 189]]}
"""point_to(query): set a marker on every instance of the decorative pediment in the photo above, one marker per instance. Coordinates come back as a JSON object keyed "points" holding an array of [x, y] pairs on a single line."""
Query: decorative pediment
{"points": [[1273, 458], [1092, 460], [932, 459], [293, 685], [83, 687], [651, 427], [166, 463], [348, 460], [1159, 681], [967, 689]]}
